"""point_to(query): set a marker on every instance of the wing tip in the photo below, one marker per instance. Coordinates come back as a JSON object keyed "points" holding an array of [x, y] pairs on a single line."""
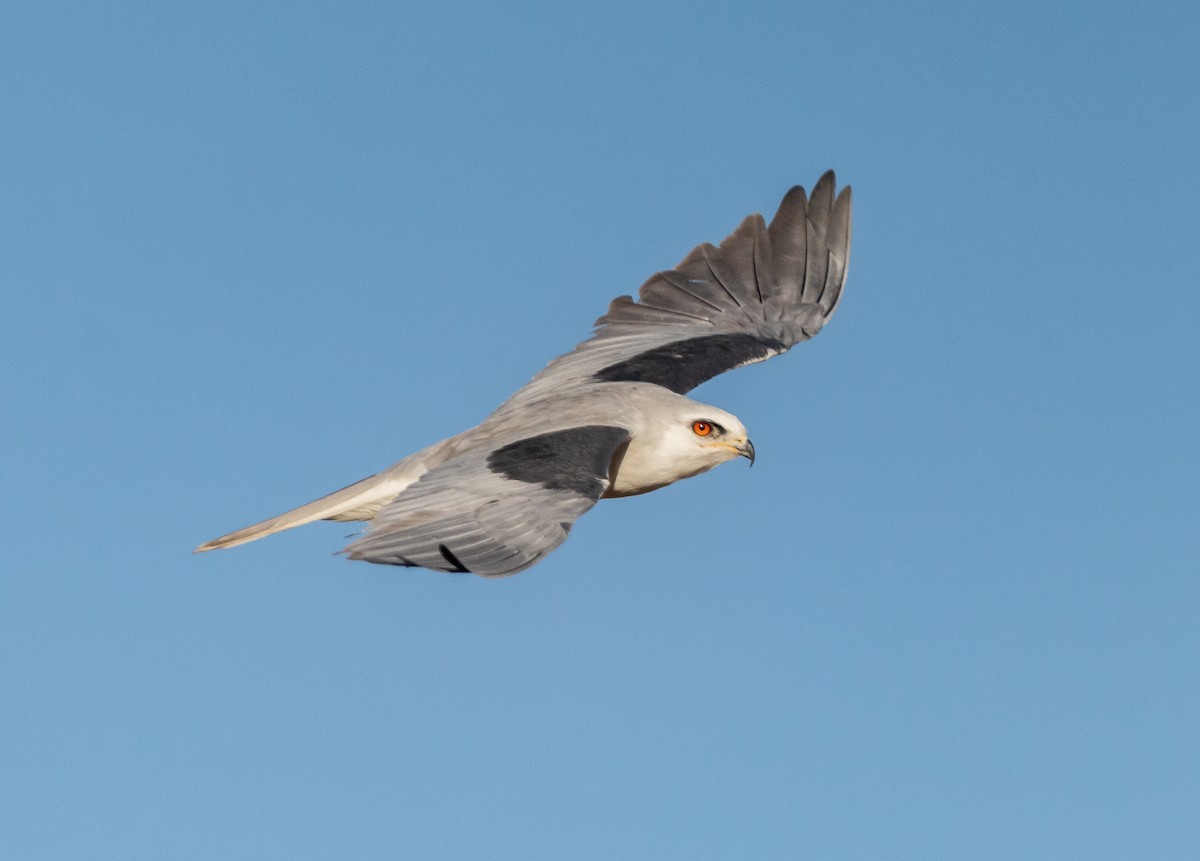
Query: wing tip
{"points": [[825, 184]]}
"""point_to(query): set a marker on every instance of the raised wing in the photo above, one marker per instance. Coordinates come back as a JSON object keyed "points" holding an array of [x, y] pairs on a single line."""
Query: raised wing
{"points": [[763, 290], [497, 511]]}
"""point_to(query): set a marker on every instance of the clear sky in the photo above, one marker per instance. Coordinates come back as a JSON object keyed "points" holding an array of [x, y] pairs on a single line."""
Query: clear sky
{"points": [[254, 252]]}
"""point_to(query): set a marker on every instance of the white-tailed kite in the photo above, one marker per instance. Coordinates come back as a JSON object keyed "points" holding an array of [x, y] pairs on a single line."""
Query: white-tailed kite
{"points": [[608, 418]]}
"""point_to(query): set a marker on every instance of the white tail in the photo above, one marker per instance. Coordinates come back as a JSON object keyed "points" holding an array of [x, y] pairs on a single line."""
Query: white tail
{"points": [[360, 501]]}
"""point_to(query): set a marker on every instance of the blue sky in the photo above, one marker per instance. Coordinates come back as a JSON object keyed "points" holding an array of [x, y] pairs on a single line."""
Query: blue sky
{"points": [[253, 252]]}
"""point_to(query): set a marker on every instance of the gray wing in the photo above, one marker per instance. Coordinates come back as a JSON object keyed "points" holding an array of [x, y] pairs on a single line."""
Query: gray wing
{"points": [[765, 289], [496, 511]]}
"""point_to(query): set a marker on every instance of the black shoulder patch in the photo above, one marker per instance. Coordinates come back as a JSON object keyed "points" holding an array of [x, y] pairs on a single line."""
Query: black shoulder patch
{"points": [[576, 459], [684, 365]]}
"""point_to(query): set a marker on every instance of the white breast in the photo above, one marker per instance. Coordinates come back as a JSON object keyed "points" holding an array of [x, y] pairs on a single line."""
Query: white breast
{"points": [[653, 462]]}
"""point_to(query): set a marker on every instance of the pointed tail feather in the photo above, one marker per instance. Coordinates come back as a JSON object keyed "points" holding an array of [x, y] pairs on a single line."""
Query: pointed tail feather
{"points": [[359, 501]]}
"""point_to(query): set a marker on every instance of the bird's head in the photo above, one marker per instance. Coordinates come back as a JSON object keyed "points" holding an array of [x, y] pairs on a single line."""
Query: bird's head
{"points": [[703, 437]]}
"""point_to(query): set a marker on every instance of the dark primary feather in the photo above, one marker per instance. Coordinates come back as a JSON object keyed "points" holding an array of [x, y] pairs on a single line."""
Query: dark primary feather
{"points": [[757, 276], [763, 290]]}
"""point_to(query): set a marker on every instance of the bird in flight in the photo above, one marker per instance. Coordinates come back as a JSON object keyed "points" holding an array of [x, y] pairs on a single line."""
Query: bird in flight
{"points": [[610, 418]]}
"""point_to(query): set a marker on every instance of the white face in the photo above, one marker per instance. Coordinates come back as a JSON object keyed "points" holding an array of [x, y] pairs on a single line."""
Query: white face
{"points": [[687, 439], [705, 436]]}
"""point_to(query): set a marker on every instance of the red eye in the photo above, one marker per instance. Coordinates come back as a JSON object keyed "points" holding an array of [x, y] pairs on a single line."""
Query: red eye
{"points": [[701, 428]]}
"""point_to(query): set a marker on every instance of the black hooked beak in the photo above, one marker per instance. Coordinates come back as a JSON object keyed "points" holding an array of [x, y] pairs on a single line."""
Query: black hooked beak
{"points": [[747, 451]]}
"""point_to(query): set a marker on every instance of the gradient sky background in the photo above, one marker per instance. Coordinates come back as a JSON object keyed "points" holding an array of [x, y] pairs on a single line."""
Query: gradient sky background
{"points": [[253, 252]]}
